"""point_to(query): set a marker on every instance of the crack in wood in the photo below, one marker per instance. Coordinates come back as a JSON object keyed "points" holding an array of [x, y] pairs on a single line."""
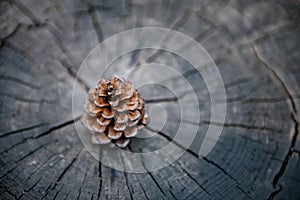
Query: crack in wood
{"points": [[96, 24], [243, 191], [297, 151], [197, 156], [181, 20], [28, 190], [258, 40], [293, 116], [288, 26], [276, 75], [92, 12], [231, 125], [37, 23], [227, 174], [8, 171], [126, 177], [173, 141], [22, 129], [179, 23], [92, 196], [195, 180], [67, 194], [194, 193], [19, 27], [237, 82], [152, 177], [55, 158], [64, 64], [159, 100], [100, 174], [56, 155], [59, 126], [58, 192], [144, 191], [173, 195], [68, 166], [38, 136], [84, 178], [137, 179], [167, 99], [244, 100], [46, 192], [32, 152], [219, 167], [26, 100], [275, 193], [14, 32], [199, 38], [69, 69], [23, 157], [154, 180], [286, 158], [34, 19], [258, 100], [19, 81], [240, 99], [66, 52], [10, 193]]}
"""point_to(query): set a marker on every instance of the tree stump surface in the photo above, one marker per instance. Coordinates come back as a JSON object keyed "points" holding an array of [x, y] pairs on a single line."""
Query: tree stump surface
{"points": [[256, 47]]}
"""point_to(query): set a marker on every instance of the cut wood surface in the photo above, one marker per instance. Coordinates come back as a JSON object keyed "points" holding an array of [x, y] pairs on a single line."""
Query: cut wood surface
{"points": [[255, 46]]}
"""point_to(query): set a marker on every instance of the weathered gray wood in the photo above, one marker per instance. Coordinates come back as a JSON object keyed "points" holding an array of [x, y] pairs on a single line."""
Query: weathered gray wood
{"points": [[255, 45]]}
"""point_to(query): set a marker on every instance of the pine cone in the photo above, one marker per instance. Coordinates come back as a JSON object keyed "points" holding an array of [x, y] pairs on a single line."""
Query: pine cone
{"points": [[114, 112]]}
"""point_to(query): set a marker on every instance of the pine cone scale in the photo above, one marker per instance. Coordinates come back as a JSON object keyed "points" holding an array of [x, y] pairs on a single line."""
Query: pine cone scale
{"points": [[122, 142], [100, 138], [107, 113], [130, 132], [119, 127]]}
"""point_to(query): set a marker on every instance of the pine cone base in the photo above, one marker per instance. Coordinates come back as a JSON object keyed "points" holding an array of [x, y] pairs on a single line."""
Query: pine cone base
{"points": [[114, 111]]}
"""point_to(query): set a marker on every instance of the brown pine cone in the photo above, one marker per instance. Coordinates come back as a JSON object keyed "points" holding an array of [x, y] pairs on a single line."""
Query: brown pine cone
{"points": [[114, 112]]}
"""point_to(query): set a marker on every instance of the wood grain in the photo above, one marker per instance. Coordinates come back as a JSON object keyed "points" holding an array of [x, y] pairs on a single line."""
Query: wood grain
{"points": [[255, 45]]}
